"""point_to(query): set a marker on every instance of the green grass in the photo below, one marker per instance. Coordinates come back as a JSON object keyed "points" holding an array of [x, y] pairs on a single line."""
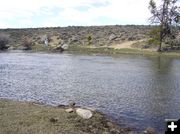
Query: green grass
{"points": [[41, 47], [102, 50], [106, 50]]}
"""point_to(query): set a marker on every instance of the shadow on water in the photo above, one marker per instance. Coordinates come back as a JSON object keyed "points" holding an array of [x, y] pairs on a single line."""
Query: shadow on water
{"points": [[164, 91]]}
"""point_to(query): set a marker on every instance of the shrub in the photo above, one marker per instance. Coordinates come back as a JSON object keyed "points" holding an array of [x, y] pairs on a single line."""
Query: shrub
{"points": [[4, 40], [27, 44], [89, 38], [154, 37], [131, 38], [49, 38]]}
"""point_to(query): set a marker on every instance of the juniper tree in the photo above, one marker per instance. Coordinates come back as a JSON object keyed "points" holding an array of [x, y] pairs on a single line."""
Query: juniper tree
{"points": [[166, 16]]}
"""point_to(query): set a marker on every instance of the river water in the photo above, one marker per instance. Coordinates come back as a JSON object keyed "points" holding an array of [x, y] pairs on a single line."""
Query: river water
{"points": [[134, 91]]}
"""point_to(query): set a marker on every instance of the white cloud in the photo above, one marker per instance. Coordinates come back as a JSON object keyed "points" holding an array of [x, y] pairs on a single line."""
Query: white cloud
{"points": [[68, 12], [3, 25]]}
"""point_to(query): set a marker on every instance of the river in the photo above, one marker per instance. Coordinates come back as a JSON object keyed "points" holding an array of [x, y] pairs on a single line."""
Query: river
{"points": [[135, 91]]}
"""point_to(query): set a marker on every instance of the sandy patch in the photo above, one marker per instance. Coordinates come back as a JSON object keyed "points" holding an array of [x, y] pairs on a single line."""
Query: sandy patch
{"points": [[126, 44]]}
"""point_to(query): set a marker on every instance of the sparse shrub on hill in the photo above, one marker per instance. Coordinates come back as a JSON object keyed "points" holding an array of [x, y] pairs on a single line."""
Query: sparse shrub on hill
{"points": [[89, 38], [4, 40], [79, 35], [154, 37], [27, 44], [131, 38], [58, 38], [49, 38], [40, 42], [171, 42]]}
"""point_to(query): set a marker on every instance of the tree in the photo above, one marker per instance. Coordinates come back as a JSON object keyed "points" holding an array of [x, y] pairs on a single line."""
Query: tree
{"points": [[4, 40], [166, 16], [89, 38]]}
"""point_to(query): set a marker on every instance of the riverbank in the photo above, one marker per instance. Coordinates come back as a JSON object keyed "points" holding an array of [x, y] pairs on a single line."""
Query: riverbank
{"points": [[127, 47], [101, 51], [113, 51], [32, 118]]}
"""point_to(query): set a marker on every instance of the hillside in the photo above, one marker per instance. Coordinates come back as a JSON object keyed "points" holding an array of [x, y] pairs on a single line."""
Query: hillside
{"points": [[115, 37], [99, 35]]}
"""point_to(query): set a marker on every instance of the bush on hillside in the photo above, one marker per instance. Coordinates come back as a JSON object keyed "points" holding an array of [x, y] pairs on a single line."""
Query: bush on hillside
{"points": [[4, 40], [27, 44], [89, 38]]}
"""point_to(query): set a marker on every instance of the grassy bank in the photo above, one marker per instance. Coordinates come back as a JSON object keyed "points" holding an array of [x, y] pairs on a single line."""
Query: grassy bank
{"points": [[101, 50], [111, 51], [30, 118]]}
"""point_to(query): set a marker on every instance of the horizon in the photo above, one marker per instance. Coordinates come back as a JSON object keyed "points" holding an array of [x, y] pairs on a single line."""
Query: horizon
{"points": [[75, 26]]}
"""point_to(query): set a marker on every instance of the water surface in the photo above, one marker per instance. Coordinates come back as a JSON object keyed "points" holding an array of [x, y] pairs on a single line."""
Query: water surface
{"points": [[135, 91]]}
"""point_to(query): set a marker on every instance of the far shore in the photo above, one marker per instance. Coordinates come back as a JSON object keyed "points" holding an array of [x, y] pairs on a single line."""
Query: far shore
{"points": [[103, 51], [113, 51]]}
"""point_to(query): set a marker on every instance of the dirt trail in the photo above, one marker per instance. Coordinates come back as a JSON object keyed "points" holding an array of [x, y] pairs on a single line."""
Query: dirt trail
{"points": [[126, 44]]}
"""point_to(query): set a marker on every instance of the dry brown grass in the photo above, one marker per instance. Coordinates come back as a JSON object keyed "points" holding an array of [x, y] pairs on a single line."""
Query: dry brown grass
{"points": [[29, 118]]}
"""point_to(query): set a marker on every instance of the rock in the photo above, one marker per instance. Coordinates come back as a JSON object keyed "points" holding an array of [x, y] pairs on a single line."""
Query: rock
{"points": [[11, 48], [65, 46], [59, 48], [112, 37], [110, 124], [114, 131], [149, 130], [72, 104], [69, 110], [74, 39], [84, 113]]}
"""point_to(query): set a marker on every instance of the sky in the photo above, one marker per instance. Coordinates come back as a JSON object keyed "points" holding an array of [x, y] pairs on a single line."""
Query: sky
{"points": [[54, 13]]}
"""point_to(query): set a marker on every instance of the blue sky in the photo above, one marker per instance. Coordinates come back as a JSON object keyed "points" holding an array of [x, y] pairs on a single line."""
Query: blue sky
{"points": [[53, 13]]}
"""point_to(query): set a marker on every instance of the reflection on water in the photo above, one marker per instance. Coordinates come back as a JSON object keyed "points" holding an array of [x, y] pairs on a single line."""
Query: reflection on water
{"points": [[134, 90]]}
